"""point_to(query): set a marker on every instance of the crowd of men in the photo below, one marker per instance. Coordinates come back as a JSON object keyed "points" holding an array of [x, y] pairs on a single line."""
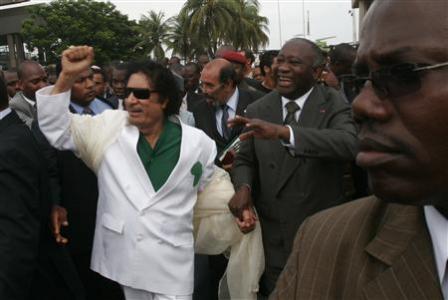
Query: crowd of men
{"points": [[287, 128]]}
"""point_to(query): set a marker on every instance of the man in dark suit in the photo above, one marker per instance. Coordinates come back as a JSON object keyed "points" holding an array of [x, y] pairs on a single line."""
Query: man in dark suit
{"points": [[30, 260], [301, 172], [193, 94], [224, 101], [392, 245], [23, 190]]}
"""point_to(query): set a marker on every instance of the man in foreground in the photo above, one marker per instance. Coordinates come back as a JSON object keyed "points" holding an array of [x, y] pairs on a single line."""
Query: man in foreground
{"points": [[392, 245]]}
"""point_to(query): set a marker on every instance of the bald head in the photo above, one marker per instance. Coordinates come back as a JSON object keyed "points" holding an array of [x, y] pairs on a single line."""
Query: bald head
{"points": [[218, 80], [429, 20], [222, 69], [32, 77]]}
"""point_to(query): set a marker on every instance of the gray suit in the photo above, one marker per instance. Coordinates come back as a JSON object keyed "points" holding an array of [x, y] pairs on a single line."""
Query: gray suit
{"points": [[27, 112], [286, 189]]}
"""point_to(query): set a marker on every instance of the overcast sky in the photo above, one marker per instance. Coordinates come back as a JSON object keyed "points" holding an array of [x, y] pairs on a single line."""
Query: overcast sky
{"points": [[328, 18]]}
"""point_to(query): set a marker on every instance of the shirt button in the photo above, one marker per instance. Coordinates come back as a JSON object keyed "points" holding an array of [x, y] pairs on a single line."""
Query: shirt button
{"points": [[139, 237]]}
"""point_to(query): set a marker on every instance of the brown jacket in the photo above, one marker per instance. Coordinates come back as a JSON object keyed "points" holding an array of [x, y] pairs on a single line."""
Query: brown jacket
{"points": [[366, 249]]}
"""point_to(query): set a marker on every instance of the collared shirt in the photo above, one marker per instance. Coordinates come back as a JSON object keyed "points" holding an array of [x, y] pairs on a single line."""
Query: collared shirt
{"points": [[5, 112], [30, 102], [301, 103], [232, 103], [438, 229], [97, 106]]}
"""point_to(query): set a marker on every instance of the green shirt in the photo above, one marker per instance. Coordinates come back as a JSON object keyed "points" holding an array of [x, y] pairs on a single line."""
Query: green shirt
{"points": [[160, 161]]}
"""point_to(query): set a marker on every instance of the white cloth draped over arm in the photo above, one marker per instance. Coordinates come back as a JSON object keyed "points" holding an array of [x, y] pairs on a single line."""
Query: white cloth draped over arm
{"points": [[87, 136], [216, 231]]}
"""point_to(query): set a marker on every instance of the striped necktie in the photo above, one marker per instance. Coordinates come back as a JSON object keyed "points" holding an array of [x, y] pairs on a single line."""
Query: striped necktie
{"points": [[291, 107]]}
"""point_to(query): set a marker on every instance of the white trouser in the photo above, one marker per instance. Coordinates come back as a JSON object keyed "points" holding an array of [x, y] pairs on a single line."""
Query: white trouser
{"points": [[135, 294]]}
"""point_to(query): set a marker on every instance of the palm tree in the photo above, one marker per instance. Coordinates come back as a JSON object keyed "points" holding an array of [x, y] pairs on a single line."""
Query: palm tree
{"points": [[154, 33], [249, 27], [208, 21]]}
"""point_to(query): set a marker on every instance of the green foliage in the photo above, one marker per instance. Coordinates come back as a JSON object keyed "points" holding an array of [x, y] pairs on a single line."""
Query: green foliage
{"points": [[211, 23], [153, 34], [55, 26]]}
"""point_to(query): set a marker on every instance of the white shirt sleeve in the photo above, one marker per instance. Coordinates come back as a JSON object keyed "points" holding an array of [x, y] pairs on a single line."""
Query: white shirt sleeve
{"points": [[292, 140], [55, 118]]}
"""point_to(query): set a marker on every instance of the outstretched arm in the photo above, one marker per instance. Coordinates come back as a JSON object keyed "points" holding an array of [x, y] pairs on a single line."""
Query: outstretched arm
{"points": [[53, 102]]}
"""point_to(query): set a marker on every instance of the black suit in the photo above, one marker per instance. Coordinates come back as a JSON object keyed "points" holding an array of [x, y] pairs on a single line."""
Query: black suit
{"points": [[23, 188], [32, 266], [287, 189], [209, 271], [205, 118], [193, 99]]}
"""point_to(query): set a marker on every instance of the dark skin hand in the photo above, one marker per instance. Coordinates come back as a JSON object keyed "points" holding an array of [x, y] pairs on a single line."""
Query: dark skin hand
{"points": [[241, 204], [260, 129], [242, 208], [58, 219]]}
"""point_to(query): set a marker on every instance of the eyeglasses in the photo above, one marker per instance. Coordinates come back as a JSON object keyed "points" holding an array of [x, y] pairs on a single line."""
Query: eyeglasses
{"points": [[141, 94], [397, 80]]}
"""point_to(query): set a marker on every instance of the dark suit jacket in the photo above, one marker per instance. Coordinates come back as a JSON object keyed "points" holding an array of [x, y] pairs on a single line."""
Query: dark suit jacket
{"points": [[204, 116], [366, 249], [193, 99], [287, 189], [23, 187], [32, 265]]}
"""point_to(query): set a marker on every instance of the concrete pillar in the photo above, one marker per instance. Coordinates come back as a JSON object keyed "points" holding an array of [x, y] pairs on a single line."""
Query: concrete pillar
{"points": [[20, 51], [12, 51]]}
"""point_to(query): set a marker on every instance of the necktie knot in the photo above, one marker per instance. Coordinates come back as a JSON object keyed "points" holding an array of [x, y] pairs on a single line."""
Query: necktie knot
{"points": [[87, 111], [292, 107]]}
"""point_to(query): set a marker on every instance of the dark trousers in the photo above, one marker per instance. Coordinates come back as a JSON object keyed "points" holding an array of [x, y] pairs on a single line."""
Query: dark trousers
{"points": [[208, 271], [96, 286]]}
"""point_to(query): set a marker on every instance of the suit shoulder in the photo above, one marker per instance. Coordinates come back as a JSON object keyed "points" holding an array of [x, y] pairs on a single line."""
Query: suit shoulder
{"points": [[345, 225], [198, 135], [334, 96], [348, 213], [263, 102]]}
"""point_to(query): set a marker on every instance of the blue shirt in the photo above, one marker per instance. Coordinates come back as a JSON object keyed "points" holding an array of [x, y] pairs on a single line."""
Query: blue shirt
{"points": [[97, 106]]}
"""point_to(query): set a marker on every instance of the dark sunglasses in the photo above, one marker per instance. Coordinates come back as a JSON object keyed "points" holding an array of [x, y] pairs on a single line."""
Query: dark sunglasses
{"points": [[141, 94], [397, 80]]}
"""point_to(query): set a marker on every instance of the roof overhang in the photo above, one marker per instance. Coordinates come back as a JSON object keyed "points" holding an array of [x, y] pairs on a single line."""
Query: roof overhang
{"points": [[13, 15]]}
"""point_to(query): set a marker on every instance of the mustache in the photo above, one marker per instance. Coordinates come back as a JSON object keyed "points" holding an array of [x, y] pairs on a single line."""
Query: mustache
{"points": [[370, 135]]}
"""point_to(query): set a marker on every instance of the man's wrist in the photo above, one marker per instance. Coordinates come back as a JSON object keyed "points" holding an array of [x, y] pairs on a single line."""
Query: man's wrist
{"points": [[244, 186], [284, 134], [64, 83]]}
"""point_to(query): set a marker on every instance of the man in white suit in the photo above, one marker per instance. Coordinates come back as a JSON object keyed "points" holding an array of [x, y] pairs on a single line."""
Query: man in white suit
{"points": [[150, 167]]}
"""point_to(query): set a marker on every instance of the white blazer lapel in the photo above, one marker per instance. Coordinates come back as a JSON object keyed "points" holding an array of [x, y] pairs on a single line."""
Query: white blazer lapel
{"points": [[179, 171], [128, 142]]}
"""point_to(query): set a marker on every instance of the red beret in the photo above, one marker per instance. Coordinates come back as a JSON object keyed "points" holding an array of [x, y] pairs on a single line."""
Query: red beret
{"points": [[234, 57]]}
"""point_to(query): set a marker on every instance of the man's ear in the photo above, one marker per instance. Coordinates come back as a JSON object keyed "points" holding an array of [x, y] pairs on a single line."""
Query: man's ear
{"points": [[317, 72]]}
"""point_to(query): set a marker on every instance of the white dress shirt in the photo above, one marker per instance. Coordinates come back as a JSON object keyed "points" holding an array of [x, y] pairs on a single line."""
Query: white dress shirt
{"points": [[438, 230], [232, 103], [4, 113], [300, 102]]}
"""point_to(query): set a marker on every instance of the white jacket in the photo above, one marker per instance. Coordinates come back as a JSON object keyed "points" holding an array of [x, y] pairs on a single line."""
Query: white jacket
{"points": [[143, 239]]}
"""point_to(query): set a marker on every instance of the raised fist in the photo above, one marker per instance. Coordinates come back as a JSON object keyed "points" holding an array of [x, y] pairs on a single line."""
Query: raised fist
{"points": [[76, 60]]}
